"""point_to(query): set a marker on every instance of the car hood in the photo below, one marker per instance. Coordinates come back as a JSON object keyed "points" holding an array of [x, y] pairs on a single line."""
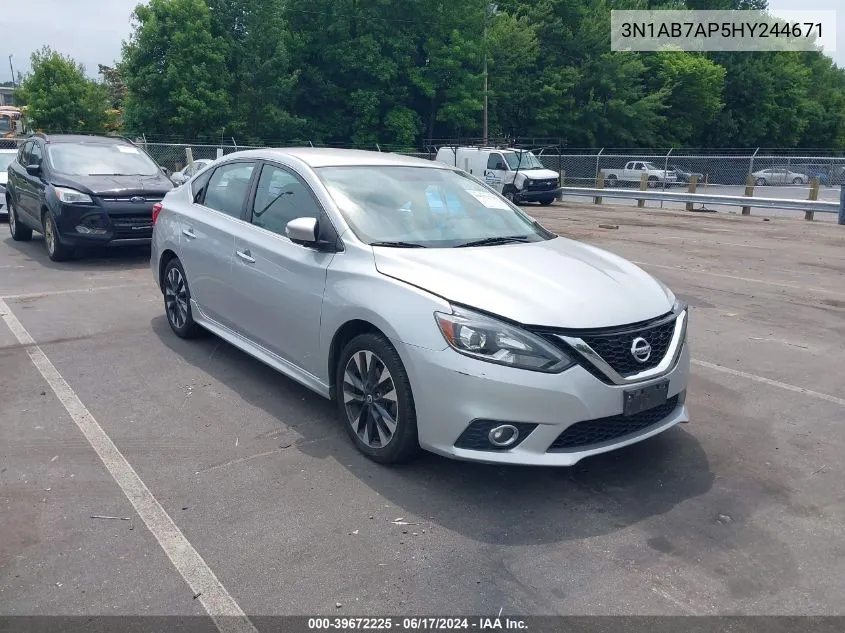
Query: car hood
{"points": [[538, 174], [116, 186], [555, 283]]}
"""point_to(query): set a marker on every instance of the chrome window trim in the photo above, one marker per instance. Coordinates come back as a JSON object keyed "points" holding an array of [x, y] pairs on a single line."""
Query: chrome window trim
{"points": [[665, 366]]}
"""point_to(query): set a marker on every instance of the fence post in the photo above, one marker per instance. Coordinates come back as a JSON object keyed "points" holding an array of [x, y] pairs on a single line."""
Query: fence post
{"points": [[643, 187], [599, 185], [693, 183], [189, 156], [749, 192], [751, 163], [841, 204], [814, 195], [598, 157], [562, 177]]}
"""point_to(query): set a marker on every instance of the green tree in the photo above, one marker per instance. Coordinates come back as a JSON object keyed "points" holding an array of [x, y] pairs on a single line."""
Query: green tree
{"points": [[259, 61], [59, 97], [175, 72]]}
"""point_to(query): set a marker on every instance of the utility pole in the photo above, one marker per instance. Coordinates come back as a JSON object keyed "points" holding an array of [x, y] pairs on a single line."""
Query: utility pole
{"points": [[486, 10], [12, 68]]}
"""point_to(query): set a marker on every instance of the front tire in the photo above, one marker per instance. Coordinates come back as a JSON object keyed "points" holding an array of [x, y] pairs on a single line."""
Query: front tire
{"points": [[547, 201], [20, 233], [797, 181], [374, 400], [56, 250], [760, 182], [177, 301]]}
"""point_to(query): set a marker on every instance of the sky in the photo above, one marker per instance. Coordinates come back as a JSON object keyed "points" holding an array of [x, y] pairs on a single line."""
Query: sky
{"points": [[91, 31]]}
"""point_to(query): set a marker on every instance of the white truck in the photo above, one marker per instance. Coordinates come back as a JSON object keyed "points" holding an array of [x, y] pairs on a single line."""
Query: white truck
{"points": [[516, 174], [634, 170]]}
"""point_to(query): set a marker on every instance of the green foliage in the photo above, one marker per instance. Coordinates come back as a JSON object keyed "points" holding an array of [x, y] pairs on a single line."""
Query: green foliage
{"points": [[404, 72], [58, 96], [175, 71]]}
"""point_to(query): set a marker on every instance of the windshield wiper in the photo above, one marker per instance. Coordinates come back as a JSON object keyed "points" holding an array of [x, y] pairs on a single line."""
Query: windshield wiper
{"points": [[398, 244], [115, 174], [493, 241]]}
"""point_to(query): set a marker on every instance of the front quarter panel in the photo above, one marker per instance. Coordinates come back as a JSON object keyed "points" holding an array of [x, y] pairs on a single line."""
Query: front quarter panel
{"points": [[355, 290]]}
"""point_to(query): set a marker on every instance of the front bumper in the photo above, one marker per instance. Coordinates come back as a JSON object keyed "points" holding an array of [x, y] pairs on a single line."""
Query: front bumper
{"points": [[451, 391], [537, 195], [94, 225]]}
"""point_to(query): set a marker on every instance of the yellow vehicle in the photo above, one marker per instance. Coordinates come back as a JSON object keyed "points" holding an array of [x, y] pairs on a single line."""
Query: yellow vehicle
{"points": [[11, 122]]}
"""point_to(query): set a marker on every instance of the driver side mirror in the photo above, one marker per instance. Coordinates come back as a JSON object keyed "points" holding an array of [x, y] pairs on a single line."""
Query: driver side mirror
{"points": [[306, 231], [302, 230], [33, 170]]}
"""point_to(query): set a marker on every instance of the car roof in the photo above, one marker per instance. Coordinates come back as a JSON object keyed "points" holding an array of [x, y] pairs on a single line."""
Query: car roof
{"points": [[332, 157], [83, 138]]}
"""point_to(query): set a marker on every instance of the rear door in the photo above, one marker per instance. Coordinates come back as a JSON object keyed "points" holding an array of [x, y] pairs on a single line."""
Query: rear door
{"points": [[207, 239], [27, 187], [280, 284]]}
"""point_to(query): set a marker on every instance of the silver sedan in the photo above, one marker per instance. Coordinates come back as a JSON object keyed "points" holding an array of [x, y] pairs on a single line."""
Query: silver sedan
{"points": [[435, 313]]}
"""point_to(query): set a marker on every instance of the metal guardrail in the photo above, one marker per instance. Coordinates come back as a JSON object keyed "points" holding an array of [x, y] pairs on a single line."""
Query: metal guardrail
{"points": [[818, 206]]}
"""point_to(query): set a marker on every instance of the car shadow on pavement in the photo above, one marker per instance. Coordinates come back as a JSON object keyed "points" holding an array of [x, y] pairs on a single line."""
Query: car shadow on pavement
{"points": [[111, 258], [505, 505]]}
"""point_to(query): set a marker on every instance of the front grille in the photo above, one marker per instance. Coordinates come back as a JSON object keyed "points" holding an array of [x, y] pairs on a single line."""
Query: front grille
{"points": [[135, 226], [615, 347], [616, 427], [543, 185], [133, 199]]}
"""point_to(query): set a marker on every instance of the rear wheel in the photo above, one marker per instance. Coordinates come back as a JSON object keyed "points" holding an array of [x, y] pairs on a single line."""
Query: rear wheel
{"points": [[760, 182], [797, 181], [20, 233], [546, 202], [177, 301], [56, 250], [612, 180], [374, 400]]}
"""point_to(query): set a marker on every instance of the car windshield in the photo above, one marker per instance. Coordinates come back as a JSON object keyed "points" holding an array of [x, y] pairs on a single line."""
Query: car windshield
{"points": [[649, 166], [425, 207], [6, 160], [99, 159], [528, 161]]}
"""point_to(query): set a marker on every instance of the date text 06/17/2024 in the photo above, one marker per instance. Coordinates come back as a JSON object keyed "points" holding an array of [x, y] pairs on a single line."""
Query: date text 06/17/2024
{"points": [[482, 623]]}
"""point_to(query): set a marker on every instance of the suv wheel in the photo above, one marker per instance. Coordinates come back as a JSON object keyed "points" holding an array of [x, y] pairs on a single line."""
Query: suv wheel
{"points": [[20, 233], [177, 301], [374, 400], [57, 251]]}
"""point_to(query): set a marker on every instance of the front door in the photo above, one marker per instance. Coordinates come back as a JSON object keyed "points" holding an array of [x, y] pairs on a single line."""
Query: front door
{"points": [[496, 171], [207, 238], [28, 187], [280, 284]]}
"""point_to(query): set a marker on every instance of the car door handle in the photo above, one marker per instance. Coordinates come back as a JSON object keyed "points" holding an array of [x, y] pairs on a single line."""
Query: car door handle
{"points": [[189, 233], [246, 256]]}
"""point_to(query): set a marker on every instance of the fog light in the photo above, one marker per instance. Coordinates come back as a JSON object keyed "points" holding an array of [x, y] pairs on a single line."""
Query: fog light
{"points": [[503, 435], [89, 231]]}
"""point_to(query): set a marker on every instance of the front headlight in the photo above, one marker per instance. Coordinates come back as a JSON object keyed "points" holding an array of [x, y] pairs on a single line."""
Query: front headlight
{"points": [[72, 196], [494, 341]]}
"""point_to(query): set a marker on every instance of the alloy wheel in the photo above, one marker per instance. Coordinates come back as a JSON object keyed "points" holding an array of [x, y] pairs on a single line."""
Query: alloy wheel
{"points": [[49, 236], [176, 297], [12, 219], [370, 399]]}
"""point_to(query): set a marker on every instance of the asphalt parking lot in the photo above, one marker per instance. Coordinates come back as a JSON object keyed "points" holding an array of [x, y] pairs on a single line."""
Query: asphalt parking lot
{"points": [[741, 511]]}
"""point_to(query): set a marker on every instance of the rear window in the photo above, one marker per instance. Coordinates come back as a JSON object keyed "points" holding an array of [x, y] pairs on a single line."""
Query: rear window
{"points": [[96, 159]]}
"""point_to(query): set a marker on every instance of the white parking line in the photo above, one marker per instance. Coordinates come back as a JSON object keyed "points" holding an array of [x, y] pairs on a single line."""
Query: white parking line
{"points": [[216, 600], [770, 382], [49, 293]]}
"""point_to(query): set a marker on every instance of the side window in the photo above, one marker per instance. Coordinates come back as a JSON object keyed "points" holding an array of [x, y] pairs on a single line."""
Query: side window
{"points": [[228, 187], [23, 155], [35, 157], [199, 186], [495, 161], [281, 197], [638, 166]]}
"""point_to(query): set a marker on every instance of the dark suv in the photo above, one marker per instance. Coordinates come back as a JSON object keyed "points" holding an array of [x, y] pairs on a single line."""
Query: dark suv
{"points": [[83, 191]]}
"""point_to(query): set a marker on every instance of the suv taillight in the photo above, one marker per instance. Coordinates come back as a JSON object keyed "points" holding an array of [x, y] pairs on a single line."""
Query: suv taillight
{"points": [[156, 210]]}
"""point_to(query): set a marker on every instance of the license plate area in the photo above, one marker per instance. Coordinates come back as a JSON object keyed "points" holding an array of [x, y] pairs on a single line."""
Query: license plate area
{"points": [[645, 398]]}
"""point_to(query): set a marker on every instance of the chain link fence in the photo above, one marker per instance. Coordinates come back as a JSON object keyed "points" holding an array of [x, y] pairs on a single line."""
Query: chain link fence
{"points": [[581, 168]]}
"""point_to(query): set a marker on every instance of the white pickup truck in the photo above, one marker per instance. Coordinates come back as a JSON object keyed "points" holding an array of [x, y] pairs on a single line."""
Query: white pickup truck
{"points": [[634, 170]]}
